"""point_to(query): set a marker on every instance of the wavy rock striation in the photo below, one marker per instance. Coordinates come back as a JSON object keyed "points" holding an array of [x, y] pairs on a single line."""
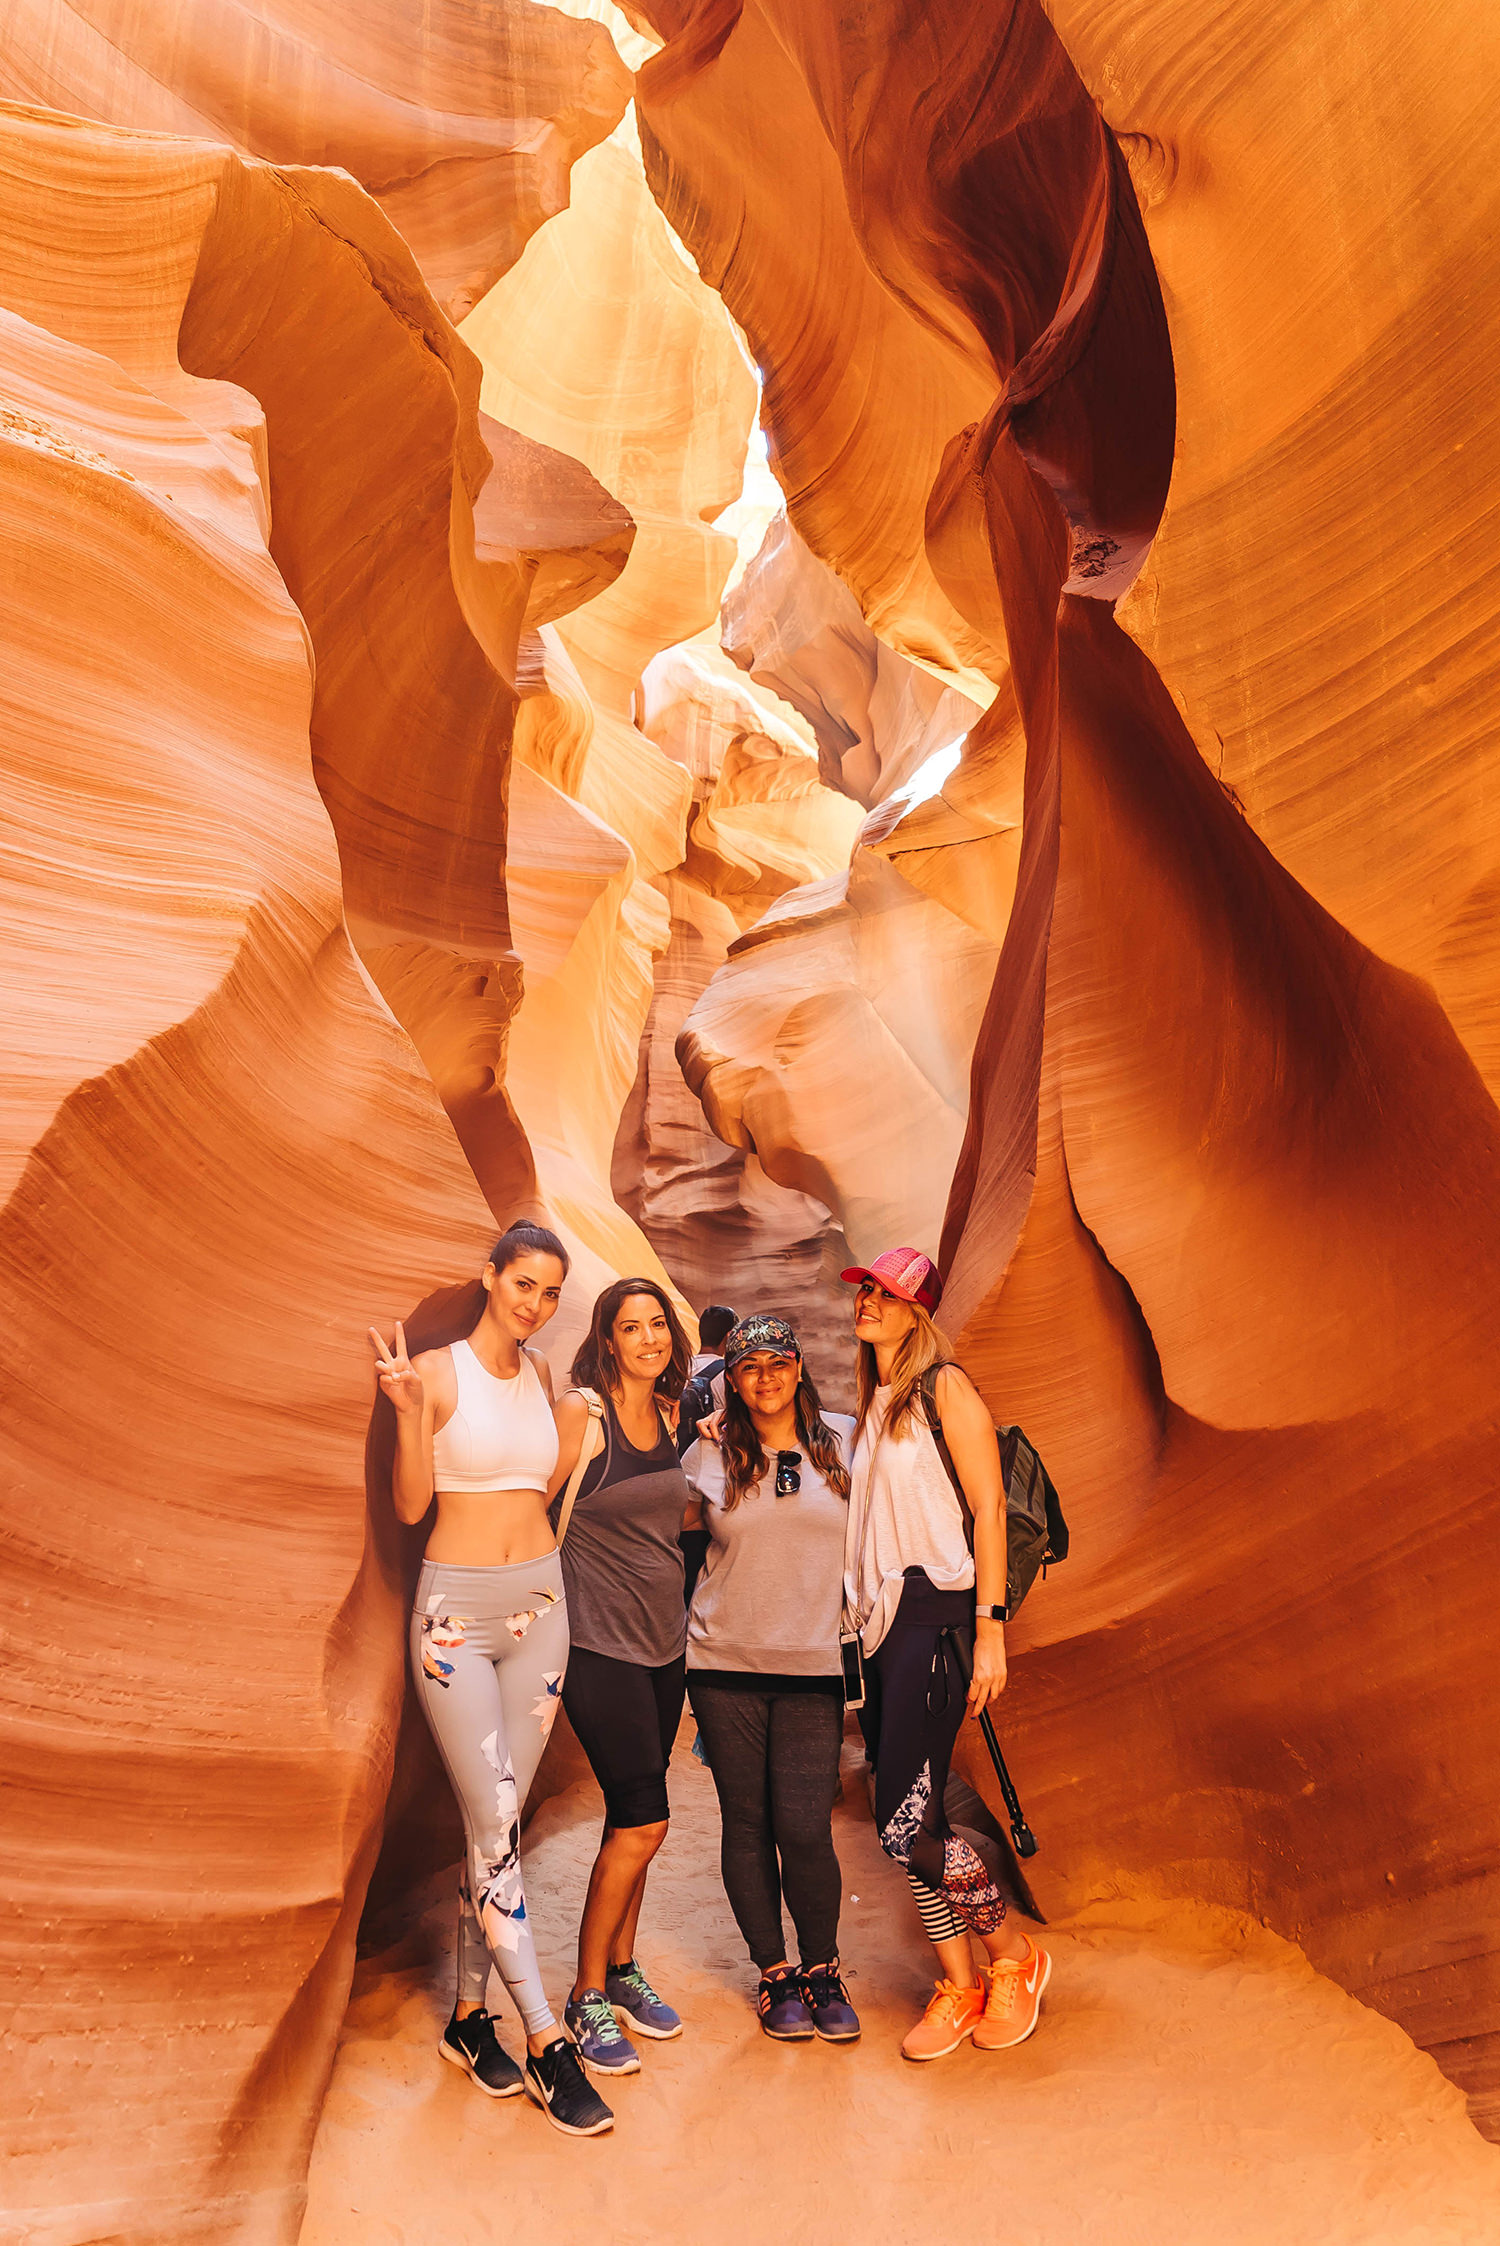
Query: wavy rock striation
{"points": [[797, 629], [218, 1133], [1224, 1228], [762, 826], [462, 120]]}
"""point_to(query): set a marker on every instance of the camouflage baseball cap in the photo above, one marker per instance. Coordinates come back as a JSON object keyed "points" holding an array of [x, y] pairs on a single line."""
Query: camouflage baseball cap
{"points": [[760, 1332]]}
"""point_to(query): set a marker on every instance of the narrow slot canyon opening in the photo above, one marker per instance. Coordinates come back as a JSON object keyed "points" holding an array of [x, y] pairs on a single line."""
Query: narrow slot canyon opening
{"points": [[756, 631]]}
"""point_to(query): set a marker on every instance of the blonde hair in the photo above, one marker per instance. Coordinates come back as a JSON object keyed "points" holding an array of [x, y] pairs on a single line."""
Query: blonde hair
{"points": [[922, 1345]]}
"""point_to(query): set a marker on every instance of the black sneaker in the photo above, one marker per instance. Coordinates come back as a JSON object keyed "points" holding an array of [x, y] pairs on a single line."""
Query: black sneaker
{"points": [[471, 2043], [823, 1992], [557, 2083]]}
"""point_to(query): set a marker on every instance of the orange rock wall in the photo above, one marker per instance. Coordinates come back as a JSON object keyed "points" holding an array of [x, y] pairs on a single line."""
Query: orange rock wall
{"points": [[219, 1147], [463, 119], [1224, 1232], [353, 799], [241, 444]]}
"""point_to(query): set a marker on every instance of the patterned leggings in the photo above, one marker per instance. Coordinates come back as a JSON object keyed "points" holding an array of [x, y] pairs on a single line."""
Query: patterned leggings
{"points": [[915, 1701], [489, 1649]]}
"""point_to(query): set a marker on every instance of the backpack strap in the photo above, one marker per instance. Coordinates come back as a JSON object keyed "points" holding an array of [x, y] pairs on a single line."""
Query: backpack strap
{"points": [[929, 1383], [588, 1449]]}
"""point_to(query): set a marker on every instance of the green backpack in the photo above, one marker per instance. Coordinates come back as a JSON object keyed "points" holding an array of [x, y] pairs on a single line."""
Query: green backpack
{"points": [[1035, 1532]]}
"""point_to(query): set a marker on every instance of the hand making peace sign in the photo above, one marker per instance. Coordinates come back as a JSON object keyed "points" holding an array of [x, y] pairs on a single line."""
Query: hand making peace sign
{"points": [[398, 1378]]}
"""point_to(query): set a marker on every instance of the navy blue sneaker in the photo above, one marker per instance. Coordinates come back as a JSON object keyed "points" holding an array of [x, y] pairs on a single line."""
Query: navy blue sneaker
{"points": [[590, 2020], [557, 2083], [823, 1992], [782, 2009], [630, 1992], [471, 2043]]}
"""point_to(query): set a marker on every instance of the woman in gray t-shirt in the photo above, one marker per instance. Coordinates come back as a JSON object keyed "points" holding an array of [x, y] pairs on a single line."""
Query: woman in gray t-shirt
{"points": [[763, 1667]]}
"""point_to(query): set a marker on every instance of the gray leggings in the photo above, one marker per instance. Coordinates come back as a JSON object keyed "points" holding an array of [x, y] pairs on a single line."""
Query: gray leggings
{"points": [[489, 1649], [775, 1763]]}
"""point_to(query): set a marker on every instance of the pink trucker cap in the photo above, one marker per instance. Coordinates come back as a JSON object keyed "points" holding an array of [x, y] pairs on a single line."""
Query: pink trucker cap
{"points": [[905, 1272]]}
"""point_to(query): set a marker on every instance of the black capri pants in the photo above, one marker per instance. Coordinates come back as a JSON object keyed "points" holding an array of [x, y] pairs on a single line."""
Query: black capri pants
{"points": [[626, 1718], [915, 1702]]}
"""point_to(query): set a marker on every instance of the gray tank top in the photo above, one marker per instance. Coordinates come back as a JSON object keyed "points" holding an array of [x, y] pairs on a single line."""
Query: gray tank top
{"points": [[622, 1563]]}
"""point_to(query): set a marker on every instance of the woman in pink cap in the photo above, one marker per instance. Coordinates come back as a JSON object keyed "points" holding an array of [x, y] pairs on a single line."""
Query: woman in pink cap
{"points": [[916, 1591]]}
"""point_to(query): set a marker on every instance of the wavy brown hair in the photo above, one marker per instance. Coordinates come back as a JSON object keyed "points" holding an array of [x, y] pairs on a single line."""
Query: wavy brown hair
{"points": [[744, 1454], [596, 1366], [923, 1345]]}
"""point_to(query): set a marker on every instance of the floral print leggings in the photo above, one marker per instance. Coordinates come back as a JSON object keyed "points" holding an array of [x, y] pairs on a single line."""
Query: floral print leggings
{"points": [[489, 1649], [915, 1704]]}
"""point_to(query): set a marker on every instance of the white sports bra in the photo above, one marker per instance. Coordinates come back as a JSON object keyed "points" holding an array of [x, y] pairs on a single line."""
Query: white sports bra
{"points": [[502, 1435]]}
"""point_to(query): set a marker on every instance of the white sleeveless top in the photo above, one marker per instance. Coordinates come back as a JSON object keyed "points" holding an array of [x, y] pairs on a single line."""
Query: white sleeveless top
{"points": [[903, 1513], [502, 1435]]}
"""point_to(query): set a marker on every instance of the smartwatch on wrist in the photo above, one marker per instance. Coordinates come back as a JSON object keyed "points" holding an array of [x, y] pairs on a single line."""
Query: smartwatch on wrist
{"points": [[992, 1614]]}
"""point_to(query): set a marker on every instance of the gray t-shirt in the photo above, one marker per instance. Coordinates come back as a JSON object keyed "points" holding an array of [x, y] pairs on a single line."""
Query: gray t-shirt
{"points": [[771, 1590], [622, 1563]]}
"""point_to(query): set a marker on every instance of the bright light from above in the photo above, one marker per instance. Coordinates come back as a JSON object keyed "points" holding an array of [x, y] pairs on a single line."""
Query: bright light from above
{"points": [[747, 518], [929, 776]]}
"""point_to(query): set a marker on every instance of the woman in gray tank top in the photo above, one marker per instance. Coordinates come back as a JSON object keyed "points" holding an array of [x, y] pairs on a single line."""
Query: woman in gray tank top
{"points": [[622, 1567]]}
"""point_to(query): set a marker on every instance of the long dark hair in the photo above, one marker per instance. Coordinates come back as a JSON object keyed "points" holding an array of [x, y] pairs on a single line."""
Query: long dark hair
{"points": [[744, 1455], [595, 1365]]}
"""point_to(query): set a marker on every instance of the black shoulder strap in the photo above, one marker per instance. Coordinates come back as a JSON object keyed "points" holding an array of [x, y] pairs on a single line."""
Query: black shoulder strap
{"points": [[935, 1423]]}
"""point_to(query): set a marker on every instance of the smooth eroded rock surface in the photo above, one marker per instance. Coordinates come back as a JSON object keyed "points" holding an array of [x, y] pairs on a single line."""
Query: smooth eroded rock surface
{"points": [[1224, 1232]]}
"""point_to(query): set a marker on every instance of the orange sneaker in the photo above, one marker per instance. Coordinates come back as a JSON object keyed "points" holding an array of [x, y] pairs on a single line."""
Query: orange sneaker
{"points": [[1015, 1999], [950, 2016]]}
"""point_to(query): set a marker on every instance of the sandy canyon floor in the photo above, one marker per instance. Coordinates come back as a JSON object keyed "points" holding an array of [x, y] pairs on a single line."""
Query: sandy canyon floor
{"points": [[1193, 2083]]}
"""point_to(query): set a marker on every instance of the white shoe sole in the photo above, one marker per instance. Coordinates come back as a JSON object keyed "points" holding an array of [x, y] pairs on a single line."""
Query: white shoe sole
{"points": [[597, 2066], [1015, 2041], [609, 2074], [920, 2058], [568, 2128], [461, 2059], [633, 2026]]}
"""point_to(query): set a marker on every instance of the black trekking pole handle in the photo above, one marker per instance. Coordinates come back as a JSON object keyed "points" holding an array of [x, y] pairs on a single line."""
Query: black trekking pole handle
{"points": [[1020, 1832]]}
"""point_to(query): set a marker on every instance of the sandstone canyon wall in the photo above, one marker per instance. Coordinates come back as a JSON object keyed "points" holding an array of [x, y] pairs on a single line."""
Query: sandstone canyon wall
{"points": [[275, 1064], [1224, 1229], [393, 847], [220, 1146]]}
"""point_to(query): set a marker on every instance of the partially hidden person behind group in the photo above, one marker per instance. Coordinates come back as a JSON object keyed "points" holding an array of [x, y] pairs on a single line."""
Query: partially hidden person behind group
{"points": [[921, 1599], [623, 1568], [489, 1639], [704, 1393], [763, 1667]]}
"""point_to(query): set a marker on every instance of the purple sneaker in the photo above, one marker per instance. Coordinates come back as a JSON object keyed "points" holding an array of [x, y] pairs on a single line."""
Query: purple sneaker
{"points": [[783, 2013], [630, 1992], [823, 1992]]}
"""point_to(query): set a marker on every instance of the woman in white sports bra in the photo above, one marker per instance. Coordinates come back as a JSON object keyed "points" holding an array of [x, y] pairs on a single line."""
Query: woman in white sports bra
{"points": [[489, 1639]]}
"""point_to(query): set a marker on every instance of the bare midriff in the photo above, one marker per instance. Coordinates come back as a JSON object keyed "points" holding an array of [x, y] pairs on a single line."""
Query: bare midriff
{"points": [[490, 1528]]}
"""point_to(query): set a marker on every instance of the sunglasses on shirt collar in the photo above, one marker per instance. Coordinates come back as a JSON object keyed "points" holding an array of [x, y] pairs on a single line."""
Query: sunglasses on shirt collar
{"points": [[788, 1473]]}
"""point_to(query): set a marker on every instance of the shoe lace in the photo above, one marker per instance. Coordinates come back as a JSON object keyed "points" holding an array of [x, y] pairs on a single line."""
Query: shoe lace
{"points": [[634, 1978], [824, 1984], [947, 2001], [566, 2067], [596, 2018], [774, 1986], [1005, 1986]]}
